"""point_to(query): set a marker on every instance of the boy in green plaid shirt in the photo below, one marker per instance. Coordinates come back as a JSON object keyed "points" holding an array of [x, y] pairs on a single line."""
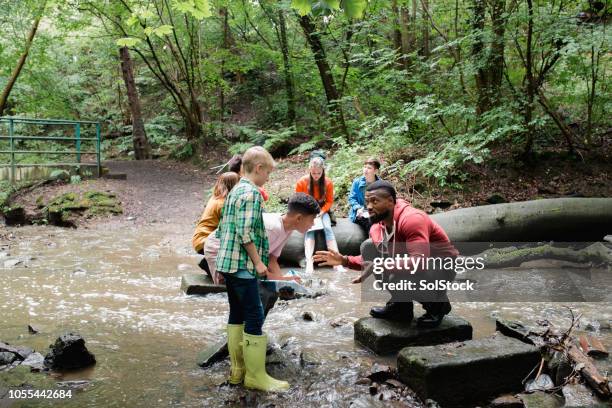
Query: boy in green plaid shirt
{"points": [[242, 258]]}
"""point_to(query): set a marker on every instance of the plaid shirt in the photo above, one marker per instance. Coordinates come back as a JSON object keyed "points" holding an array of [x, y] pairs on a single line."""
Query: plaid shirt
{"points": [[241, 223]]}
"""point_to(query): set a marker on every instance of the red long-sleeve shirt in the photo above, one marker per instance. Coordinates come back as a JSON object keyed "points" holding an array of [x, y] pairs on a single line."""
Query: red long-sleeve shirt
{"points": [[412, 226]]}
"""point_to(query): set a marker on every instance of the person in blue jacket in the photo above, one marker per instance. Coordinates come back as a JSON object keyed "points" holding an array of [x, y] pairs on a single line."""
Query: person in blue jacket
{"points": [[358, 212]]}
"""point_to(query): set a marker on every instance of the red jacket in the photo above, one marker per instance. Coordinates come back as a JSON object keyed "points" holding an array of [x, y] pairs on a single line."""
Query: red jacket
{"points": [[411, 226]]}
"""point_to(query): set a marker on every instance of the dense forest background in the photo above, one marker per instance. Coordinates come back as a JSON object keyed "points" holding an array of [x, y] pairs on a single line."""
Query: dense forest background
{"points": [[439, 88]]}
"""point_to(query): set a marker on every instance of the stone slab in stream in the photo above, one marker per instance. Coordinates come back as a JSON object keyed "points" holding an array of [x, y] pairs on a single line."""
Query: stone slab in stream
{"points": [[212, 354], [199, 284], [461, 374], [386, 337]]}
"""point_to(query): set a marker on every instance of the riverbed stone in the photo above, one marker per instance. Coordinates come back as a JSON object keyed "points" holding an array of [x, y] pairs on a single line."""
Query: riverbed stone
{"points": [[7, 358], [506, 401], [199, 284], [14, 215], [35, 361], [213, 353], [386, 337], [21, 352], [540, 399], [458, 374], [69, 353], [579, 395]]}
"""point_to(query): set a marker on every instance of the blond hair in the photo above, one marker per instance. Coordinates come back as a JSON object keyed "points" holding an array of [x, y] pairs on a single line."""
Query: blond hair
{"points": [[254, 156]]}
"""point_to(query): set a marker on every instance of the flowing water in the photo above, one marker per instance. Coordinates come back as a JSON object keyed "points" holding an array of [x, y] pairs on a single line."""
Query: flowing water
{"points": [[120, 289]]}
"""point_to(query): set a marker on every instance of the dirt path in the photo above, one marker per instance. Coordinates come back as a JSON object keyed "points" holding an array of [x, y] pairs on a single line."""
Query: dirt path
{"points": [[154, 192]]}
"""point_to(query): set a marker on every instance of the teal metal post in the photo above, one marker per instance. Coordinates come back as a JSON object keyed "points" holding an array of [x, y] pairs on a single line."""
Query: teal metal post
{"points": [[77, 132], [98, 152], [12, 144]]}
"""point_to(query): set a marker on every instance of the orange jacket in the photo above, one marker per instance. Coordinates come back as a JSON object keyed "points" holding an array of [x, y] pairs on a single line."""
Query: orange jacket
{"points": [[302, 187], [209, 221]]}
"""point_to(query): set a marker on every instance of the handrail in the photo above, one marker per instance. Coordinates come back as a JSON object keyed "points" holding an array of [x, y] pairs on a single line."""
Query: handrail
{"points": [[12, 137]]}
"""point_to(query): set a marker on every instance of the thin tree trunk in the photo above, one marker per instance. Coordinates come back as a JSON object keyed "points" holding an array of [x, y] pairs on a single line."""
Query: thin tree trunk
{"points": [[396, 33], [289, 87], [481, 77], [530, 84], [20, 63], [496, 55], [426, 12], [405, 35], [142, 149], [331, 92], [413, 22], [223, 13]]}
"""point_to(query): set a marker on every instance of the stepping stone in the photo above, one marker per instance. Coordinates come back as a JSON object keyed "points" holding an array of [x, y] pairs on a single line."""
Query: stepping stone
{"points": [[464, 373], [212, 354], [200, 284], [386, 337]]}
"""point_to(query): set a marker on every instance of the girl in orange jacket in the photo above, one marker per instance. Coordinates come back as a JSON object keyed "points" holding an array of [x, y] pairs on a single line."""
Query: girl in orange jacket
{"points": [[316, 184]]}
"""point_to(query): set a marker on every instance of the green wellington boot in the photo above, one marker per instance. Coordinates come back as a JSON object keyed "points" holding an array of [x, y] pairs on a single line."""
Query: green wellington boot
{"points": [[254, 351], [234, 346]]}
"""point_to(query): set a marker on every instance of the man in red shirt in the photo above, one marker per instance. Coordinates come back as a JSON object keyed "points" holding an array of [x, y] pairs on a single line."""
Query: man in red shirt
{"points": [[397, 227]]}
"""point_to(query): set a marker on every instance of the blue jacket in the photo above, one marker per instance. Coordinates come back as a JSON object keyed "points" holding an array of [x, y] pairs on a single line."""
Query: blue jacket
{"points": [[357, 196]]}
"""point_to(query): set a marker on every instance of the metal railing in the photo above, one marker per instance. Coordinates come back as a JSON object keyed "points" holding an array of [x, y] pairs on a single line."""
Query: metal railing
{"points": [[77, 139]]}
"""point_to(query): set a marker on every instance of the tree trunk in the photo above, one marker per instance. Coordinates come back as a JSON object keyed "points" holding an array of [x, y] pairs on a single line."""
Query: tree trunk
{"points": [[396, 33], [426, 13], [331, 92], [530, 85], [15, 74], [224, 17], [405, 35], [289, 88], [142, 149], [482, 83], [496, 55]]}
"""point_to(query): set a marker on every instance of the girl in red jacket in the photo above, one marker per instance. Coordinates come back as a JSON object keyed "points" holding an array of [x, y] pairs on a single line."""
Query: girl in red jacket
{"points": [[316, 184]]}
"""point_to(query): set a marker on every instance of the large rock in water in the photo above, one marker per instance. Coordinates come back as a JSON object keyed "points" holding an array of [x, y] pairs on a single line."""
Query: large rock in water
{"points": [[465, 373], [556, 219], [199, 284], [69, 353], [386, 337]]}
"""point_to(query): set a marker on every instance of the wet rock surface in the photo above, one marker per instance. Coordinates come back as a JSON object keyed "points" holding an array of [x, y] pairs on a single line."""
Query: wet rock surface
{"points": [[540, 399], [69, 353], [386, 337], [199, 284], [467, 372]]}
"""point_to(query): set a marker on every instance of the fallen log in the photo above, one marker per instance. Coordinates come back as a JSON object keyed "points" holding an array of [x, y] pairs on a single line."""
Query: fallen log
{"points": [[557, 219]]}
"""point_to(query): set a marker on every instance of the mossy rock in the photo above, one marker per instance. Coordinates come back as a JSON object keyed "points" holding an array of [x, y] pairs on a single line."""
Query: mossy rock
{"points": [[60, 210], [59, 175], [40, 202]]}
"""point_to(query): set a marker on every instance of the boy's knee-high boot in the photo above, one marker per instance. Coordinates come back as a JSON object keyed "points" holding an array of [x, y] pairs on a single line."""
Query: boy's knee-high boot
{"points": [[256, 377], [333, 246], [234, 346]]}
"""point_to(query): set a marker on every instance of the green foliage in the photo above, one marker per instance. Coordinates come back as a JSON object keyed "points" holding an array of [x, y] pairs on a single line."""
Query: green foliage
{"points": [[420, 111]]}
